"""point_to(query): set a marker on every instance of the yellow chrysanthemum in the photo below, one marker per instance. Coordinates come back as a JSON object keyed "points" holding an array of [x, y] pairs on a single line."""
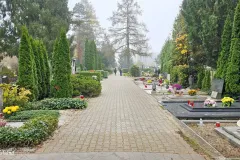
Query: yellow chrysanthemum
{"points": [[9, 112], [5, 111], [17, 107], [13, 109]]}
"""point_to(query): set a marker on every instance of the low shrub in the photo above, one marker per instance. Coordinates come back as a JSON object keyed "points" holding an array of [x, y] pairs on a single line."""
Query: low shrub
{"points": [[105, 74], [57, 104], [125, 70], [135, 71], [90, 74], [102, 73], [26, 115], [32, 133], [110, 71], [85, 86], [14, 95]]}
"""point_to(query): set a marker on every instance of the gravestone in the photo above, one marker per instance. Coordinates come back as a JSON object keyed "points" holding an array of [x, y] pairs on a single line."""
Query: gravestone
{"points": [[217, 88], [1, 99], [168, 77]]}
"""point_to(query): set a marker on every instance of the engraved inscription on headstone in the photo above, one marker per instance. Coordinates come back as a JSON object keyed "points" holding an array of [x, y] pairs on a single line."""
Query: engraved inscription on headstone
{"points": [[214, 94], [1, 99], [217, 85]]}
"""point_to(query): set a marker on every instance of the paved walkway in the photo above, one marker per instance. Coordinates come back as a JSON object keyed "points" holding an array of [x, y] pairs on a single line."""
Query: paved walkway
{"points": [[123, 119]]}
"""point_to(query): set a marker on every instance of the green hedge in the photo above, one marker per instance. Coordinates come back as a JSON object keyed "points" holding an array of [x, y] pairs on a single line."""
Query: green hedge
{"points": [[125, 70], [26, 115], [105, 75], [102, 73], [135, 71], [85, 86], [90, 74], [32, 133], [56, 104]]}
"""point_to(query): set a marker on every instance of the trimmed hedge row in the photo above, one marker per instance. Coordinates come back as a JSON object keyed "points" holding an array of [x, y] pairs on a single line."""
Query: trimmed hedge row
{"points": [[90, 74], [32, 133], [26, 115], [56, 104], [85, 86], [105, 74]]}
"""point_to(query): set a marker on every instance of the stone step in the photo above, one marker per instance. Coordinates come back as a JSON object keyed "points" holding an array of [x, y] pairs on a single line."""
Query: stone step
{"points": [[234, 131], [229, 137]]}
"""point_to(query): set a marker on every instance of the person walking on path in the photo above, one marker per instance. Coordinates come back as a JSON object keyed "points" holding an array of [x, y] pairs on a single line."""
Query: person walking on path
{"points": [[120, 70], [115, 71]]}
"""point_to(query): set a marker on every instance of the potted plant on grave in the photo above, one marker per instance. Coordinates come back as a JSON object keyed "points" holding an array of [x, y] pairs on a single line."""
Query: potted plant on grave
{"points": [[149, 81], [210, 103], [192, 92], [227, 101], [8, 111], [167, 82]]}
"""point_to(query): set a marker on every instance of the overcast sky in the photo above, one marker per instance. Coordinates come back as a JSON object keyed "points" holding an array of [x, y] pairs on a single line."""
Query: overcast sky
{"points": [[158, 15]]}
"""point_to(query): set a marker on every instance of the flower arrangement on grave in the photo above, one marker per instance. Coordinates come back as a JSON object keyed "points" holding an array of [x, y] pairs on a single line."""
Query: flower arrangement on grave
{"points": [[227, 101], [170, 90], [149, 81], [177, 86], [11, 110], [192, 92], [210, 103]]}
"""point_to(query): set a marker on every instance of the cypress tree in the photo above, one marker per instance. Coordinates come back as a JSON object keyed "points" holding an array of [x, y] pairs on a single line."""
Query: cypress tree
{"points": [[87, 55], [99, 62], [92, 53], [26, 68], [61, 86], [233, 71], [223, 59], [206, 84], [38, 75], [47, 70], [43, 70], [200, 78]]}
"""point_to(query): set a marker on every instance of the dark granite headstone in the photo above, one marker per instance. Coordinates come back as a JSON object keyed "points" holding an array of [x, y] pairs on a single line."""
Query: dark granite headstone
{"points": [[217, 85], [217, 88]]}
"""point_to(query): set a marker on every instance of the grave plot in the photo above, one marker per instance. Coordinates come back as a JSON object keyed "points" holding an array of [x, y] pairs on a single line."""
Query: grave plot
{"points": [[181, 110], [222, 143]]}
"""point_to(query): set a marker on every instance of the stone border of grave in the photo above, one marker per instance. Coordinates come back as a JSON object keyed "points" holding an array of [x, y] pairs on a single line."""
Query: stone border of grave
{"points": [[226, 133], [216, 109], [203, 144]]}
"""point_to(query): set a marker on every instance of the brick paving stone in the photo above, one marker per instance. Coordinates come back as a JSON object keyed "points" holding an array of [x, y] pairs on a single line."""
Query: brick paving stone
{"points": [[122, 115], [122, 118]]}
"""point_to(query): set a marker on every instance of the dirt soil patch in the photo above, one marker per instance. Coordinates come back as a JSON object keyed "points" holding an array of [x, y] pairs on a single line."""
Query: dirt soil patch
{"points": [[210, 135]]}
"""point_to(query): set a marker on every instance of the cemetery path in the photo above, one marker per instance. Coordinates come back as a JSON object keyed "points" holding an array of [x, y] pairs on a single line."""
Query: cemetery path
{"points": [[122, 119]]}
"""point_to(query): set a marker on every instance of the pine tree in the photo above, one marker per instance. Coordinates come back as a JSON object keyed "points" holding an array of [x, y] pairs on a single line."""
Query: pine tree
{"points": [[47, 70], [223, 59], [26, 69], [233, 71], [61, 86], [34, 44]]}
